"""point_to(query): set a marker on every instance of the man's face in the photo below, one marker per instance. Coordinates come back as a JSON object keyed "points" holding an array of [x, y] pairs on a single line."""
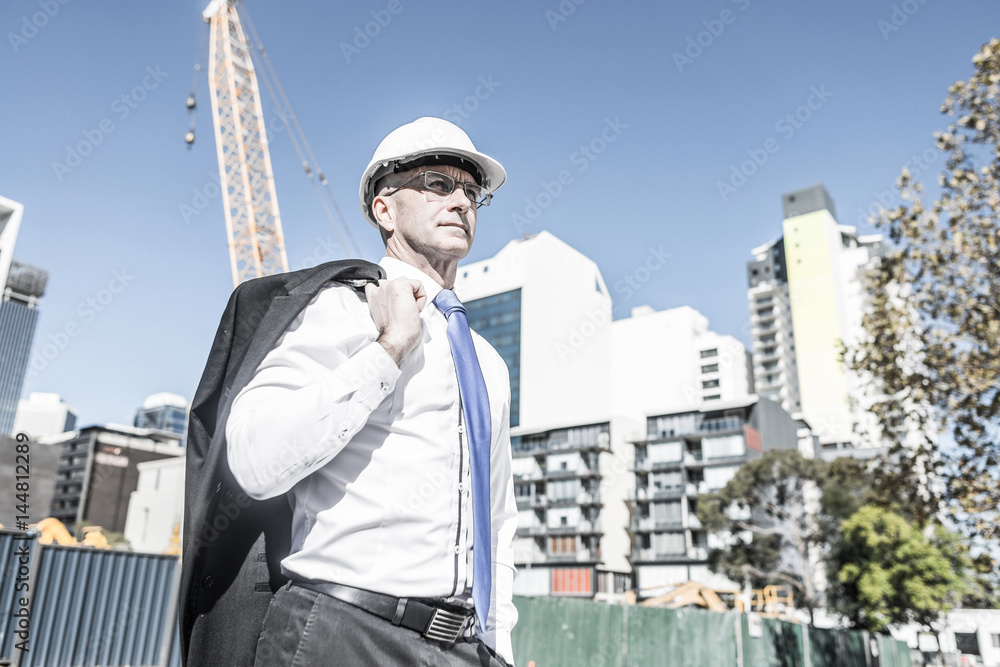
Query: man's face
{"points": [[432, 225]]}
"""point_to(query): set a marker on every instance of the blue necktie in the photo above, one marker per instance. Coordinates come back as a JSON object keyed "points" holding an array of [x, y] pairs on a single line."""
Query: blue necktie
{"points": [[476, 407]]}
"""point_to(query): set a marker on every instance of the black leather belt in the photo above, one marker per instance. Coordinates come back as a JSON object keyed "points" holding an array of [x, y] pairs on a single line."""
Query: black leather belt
{"points": [[433, 622]]}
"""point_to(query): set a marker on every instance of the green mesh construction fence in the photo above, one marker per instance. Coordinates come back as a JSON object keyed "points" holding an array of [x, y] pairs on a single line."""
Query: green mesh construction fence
{"points": [[559, 632]]}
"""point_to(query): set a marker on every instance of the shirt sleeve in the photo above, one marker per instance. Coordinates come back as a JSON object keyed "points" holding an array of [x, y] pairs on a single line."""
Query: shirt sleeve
{"points": [[503, 613], [310, 395]]}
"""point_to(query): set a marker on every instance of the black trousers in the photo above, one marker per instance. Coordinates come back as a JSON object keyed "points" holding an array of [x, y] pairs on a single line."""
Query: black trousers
{"points": [[305, 628]]}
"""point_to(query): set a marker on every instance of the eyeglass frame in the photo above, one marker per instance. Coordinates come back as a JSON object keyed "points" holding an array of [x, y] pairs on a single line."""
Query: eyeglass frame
{"points": [[487, 195]]}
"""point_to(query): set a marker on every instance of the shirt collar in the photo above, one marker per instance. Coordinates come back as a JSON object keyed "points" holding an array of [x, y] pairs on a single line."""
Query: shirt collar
{"points": [[395, 268]]}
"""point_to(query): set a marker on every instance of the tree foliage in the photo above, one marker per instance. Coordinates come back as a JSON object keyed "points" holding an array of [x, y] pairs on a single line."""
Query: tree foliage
{"points": [[766, 512], [930, 354], [891, 572]]}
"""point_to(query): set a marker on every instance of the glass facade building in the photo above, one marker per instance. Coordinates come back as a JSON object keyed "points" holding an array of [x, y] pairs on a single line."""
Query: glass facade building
{"points": [[18, 317], [497, 318]]}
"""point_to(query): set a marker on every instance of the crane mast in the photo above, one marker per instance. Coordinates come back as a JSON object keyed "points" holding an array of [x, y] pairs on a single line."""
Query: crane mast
{"points": [[253, 224]]}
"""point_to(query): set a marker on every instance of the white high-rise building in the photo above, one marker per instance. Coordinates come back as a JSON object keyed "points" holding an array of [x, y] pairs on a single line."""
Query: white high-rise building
{"points": [[44, 414], [582, 388], [806, 298]]}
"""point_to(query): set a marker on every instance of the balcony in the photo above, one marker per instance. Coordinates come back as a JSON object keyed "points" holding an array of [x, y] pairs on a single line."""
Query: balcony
{"points": [[766, 326], [697, 553], [650, 554], [601, 442], [589, 498], [693, 458], [581, 555], [533, 476], [531, 501], [581, 528], [642, 524], [669, 492], [720, 425], [536, 530], [695, 489]]}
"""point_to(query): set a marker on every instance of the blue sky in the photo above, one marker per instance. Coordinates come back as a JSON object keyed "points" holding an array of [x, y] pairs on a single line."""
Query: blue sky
{"points": [[691, 90]]}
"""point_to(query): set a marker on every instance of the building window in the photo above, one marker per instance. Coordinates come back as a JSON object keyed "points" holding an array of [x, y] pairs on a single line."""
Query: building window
{"points": [[967, 643], [710, 368], [562, 545], [713, 397], [669, 543], [708, 384], [705, 354], [996, 641]]}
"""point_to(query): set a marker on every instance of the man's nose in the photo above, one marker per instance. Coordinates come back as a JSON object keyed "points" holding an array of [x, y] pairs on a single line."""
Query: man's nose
{"points": [[459, 198]]}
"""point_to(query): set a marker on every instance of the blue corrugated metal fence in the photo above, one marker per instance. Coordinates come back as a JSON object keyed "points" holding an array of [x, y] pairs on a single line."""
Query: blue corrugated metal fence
{"points": [[90, 607]]}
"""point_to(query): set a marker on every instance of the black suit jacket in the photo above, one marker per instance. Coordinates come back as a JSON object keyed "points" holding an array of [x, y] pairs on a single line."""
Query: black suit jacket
{"points": [[233, 545]]}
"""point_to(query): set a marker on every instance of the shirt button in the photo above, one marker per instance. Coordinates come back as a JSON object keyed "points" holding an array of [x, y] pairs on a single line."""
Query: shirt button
{"points": [[458, 549], [342, 434], [461, 428], [461, 486], [383, 386]]}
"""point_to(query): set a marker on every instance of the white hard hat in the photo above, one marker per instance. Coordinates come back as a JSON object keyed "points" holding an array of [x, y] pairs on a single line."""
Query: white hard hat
{"points": [[426, 141]]}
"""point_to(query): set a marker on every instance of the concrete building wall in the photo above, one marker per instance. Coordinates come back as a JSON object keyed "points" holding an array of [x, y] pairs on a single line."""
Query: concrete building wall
{"points": [[812, 244], [43, 462], [565, 326], [156, 507], [43, 414]]}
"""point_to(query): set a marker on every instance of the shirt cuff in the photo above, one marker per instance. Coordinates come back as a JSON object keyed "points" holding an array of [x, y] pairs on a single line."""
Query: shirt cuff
{"points": [[371, 374]]}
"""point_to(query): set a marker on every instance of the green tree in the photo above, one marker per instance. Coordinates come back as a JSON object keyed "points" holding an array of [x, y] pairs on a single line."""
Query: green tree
{"points": [[767, 515], [892, 572], [930, 354]]}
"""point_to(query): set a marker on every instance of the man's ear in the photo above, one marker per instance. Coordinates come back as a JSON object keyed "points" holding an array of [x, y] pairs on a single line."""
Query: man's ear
{"points": [[383, 214]]}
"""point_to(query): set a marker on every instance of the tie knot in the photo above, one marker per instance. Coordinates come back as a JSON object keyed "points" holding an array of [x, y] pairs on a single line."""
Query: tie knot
{"points": [[447, 302]]}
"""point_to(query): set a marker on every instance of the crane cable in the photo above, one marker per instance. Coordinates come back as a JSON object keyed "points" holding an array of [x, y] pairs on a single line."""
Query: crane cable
{"points": [[196, 80], [310, 165]]}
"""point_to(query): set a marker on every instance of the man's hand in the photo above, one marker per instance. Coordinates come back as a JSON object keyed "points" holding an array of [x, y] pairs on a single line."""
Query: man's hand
{"points": [[395, 306]]}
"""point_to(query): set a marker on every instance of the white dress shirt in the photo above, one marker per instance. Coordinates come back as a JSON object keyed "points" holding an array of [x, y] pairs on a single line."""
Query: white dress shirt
{"points": [[374, 457]]}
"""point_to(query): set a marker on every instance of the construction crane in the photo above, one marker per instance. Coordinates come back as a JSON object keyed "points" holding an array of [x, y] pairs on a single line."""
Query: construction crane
{"points": [[253, 222]]}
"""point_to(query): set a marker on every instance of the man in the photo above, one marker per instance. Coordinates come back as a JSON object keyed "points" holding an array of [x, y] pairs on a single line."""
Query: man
{"points": [[385, 422]]}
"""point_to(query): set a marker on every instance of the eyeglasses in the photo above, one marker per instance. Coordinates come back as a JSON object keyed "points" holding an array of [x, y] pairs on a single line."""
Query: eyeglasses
{"points": [[443, 184]]}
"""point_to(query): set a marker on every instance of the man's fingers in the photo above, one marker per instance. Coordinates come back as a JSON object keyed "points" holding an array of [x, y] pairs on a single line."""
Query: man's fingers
{"points": [[419, 294]]}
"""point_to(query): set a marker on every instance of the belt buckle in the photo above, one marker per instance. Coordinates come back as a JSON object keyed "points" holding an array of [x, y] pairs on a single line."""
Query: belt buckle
{"points": [[445, 626]]}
